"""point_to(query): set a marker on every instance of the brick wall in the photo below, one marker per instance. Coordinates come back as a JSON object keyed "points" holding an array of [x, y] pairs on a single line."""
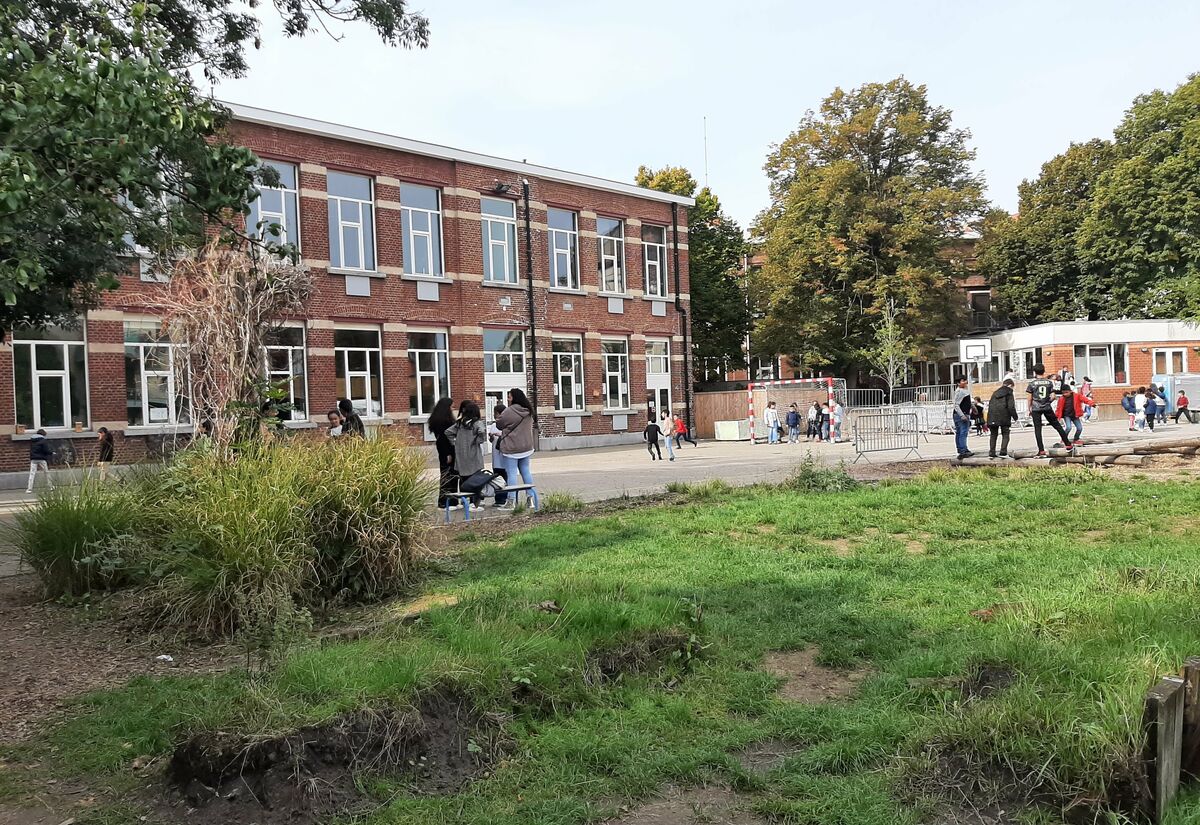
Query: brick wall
{"points": [[465, 305]]}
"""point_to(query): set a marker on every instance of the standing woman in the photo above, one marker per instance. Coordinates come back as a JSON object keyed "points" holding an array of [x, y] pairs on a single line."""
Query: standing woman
{"points": [[667, 425], [516, 440], [467, 434], [440, 420], [104, 458]]}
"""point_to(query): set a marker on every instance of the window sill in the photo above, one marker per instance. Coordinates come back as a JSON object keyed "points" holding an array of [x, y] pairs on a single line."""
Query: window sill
{"points": [[299, 425], [52, 435], [667, 298], [562, 290], [503, 285], [362, 273], [160, 429], [376, 422], [619, 412], [624, 295], [572, 414], [433, 279]]}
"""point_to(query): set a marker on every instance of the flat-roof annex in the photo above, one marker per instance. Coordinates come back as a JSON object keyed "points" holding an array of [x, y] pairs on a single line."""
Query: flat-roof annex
{"points": [[297, 123]]}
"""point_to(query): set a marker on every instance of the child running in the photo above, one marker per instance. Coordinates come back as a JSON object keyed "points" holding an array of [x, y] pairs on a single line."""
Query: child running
{"points": [[651, 434]]}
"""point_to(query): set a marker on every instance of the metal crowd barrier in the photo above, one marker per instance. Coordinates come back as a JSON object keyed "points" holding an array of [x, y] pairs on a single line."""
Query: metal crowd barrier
{"points": [[884, 431]]}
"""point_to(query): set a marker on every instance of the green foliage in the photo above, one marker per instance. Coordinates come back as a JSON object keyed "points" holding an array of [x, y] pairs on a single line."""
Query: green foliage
{"points": [[552, 503], [72, 538], [720, 313], [815, 477], [868, 197], [889, 353]]}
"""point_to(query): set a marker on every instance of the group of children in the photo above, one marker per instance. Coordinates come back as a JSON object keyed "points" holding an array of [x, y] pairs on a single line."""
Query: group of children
{"points": [[1149, 405], [668, 426], [823, 422]]}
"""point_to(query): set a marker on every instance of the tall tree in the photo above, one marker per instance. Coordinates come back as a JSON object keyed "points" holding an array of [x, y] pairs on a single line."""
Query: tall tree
{"points": [[1141, 238], [720, 315], [1032, 261], [889, 353], [867, 197]]}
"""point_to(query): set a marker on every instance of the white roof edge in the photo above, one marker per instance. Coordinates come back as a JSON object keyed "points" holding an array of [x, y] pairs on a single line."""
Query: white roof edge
{"points": [[297, 123]]}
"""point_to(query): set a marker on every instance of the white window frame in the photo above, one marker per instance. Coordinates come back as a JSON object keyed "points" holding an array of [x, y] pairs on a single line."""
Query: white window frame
{"points": [[1166, 353], [502, 353], [616, 254], [286, 194], [177, 413], [435, 220], [567, 255], [621, 374], [656, 288], [508, 227], [343, 353], [665, 359], [658, 373], [335, 202], [421, 414], [35, 376], [570, 366], [1089, 372], [276, 377]]}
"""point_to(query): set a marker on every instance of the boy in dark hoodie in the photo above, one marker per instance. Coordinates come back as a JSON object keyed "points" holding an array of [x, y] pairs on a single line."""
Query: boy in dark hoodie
{"points": [[651, 435], [1002, 412], [40, 455]]}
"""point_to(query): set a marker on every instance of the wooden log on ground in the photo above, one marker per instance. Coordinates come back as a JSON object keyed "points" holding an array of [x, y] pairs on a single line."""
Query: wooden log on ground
{"points": [[1136, 445], [1126, 460], [1162, 721]]}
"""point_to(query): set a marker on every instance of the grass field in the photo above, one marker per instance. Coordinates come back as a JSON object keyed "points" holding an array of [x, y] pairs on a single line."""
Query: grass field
{"points": [[1007, 626]]}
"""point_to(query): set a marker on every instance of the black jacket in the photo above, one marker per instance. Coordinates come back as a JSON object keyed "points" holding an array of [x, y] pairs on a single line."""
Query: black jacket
{"points": [[39, 449], [106, 450], [1002, 407]]}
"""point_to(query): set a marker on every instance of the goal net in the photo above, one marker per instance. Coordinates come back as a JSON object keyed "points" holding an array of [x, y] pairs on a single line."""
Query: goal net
{"points": [[803, 392]]}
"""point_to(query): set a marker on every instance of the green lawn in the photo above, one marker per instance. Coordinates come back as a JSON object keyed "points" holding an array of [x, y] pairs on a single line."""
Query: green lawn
{"points": [[1092, 585]]}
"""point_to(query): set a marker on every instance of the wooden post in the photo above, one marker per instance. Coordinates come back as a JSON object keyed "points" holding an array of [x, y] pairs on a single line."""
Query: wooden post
{"points": [[1163, 724], [1190, 762]]}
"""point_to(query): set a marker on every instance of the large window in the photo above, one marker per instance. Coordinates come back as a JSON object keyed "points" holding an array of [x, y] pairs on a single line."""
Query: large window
{"points": [[564, 249], [764, 368], [658, 358], [568, 374], [430, 379], [50, 377], [359, 369], [611, 240], [285, 369], [654, 244], [499, 221], [1169, 361], [275, 213], [504, 352], [616, 373], [153, 393], [1103, 363], [421, 227], [351, 222]]}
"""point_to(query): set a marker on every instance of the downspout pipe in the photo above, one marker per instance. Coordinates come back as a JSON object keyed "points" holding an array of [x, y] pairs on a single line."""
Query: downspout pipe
{"points": [[683, 322], [529, 291]]}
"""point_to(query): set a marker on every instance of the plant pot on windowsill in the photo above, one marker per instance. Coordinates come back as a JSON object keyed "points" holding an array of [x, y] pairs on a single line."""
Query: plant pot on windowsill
{"points": [[78, 426], [20, 429]]}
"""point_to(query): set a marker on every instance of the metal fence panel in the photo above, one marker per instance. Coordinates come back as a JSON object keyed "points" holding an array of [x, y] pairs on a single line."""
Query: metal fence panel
{"points": [[863, 397], [886, 430]]}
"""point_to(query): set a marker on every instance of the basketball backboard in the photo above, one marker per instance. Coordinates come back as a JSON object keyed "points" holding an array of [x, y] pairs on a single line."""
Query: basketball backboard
{"points": [[974, 350]]}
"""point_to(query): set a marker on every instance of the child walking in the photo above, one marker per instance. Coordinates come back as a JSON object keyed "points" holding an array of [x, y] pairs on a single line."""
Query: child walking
{"points": [[650, 435]]}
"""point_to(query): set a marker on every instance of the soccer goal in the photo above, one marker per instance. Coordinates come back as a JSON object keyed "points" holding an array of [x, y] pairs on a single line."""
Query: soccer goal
{"points": [[802, 392]]}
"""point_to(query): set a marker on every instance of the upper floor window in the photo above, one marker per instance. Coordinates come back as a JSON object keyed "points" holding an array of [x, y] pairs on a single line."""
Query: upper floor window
{"points": [[286, 369], [499, 221], [504, 351], [654, 244], [351, 222], [153, 393], [564, 248], [611, 238], [421, 227], [50, 377], [275, 213]]}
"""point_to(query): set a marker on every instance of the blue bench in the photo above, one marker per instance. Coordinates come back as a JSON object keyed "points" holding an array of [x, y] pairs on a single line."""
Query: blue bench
{"points": [[514, 489]]}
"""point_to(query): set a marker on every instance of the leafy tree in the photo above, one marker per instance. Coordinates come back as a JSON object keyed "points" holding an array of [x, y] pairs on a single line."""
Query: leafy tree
{"points": [[1032, 261], [868, 195], [1140, 241], [720, 315], [103, 147], [889, 353]]}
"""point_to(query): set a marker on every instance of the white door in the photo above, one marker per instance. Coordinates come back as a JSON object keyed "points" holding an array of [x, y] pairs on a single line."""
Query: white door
{"points": [[658, 376]]}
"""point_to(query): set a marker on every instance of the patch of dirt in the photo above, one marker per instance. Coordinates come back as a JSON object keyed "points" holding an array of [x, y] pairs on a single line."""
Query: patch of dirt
{"points": [[806, 681], [1094, 536], [763, 757], [52, 652], [987, 680], [640, 655], [710, 805], [310, 775], [893, 470], [842, 548]]}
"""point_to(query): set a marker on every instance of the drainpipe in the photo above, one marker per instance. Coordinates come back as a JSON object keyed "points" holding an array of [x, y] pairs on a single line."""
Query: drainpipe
{"points": [[532, 313], [683, 322]]}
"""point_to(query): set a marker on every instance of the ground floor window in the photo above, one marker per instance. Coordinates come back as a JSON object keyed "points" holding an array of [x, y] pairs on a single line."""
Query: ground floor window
{"points": [[1105, 364], [50, 377], [568, 373], [616, 373], [658, 375], [429, 358], [359, 369], [286, 369], [153, 392], [1171, 361]]}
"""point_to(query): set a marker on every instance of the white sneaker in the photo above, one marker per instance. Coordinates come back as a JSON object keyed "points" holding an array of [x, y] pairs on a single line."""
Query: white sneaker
{"points": [[508, 505]]}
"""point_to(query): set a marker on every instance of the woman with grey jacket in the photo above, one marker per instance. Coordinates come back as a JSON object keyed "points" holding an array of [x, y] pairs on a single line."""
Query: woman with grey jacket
{"points": [[468, 435], [516, 440]]}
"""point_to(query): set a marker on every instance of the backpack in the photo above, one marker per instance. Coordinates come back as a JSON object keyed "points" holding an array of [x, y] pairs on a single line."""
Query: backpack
{"points": [[481, 481]]}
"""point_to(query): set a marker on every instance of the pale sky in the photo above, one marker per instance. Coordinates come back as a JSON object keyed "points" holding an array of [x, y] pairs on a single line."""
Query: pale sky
{"points": [[599, 88]]}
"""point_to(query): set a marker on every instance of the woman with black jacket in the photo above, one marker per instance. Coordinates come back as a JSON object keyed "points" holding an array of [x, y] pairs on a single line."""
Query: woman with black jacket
{"points": [[104, 457], [440, 419]]}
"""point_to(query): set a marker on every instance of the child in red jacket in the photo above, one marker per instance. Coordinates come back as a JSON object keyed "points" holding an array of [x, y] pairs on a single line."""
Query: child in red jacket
{"points": [[1071, 408]]}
